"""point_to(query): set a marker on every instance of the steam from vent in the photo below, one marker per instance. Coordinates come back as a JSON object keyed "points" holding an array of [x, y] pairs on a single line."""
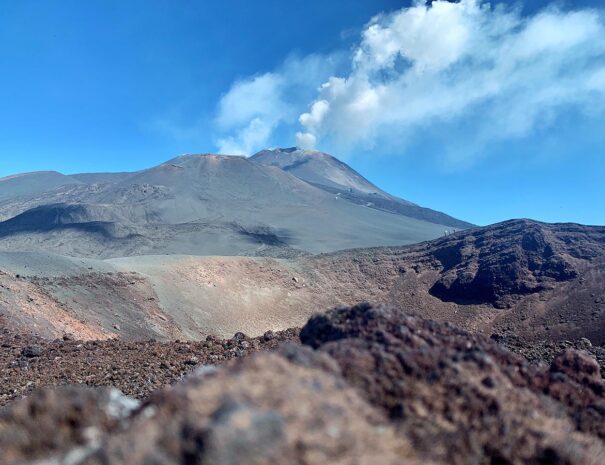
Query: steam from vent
{"points": [[256, 107], [305, 140]]}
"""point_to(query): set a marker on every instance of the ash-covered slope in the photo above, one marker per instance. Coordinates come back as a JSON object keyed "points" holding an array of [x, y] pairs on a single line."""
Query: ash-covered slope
{"points": [[333, 176], [519, 279], [196, 205], [27, 184], [318, 168], [99, 178]]}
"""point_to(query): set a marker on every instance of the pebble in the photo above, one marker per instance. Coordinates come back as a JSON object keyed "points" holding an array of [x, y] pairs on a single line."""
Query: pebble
{"points": [[31, 351]]}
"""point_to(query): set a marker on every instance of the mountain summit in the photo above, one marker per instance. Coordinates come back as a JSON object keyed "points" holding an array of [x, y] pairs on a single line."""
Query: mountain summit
{"points": [[318, 168], [330, 174], [281, 203]]}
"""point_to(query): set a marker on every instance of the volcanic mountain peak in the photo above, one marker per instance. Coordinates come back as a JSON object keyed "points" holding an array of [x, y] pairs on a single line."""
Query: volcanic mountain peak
{"points": [[208, 204], [318, 168], [331, 175]]}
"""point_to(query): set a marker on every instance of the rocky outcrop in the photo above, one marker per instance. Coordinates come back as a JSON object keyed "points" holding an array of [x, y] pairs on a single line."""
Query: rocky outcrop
{"points": [[462, 398], [515, 258]]}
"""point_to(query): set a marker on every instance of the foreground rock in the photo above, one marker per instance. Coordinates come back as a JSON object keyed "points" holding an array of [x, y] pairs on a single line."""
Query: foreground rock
{"points": [[373, 386], [288, 407], [462, 398], [52, 422]]}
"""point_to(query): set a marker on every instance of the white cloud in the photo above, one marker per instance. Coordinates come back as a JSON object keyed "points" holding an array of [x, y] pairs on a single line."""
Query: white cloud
{"points": [[316, 115], [426, 66], [432, 38], [251, 109], [255, 134], [490, 69], [258, 97]]}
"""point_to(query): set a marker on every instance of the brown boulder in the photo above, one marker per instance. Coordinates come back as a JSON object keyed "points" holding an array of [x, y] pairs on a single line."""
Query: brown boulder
{"points": [[459, 398], [64, 419]]}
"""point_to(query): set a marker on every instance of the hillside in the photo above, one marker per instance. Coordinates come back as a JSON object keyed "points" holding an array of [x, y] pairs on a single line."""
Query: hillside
{"points": [[531, 280], [333, 176], [199, 205]]}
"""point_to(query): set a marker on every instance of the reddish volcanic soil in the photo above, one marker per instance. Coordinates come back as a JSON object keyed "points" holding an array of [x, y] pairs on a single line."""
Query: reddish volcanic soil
{"points": [[136, 368]]}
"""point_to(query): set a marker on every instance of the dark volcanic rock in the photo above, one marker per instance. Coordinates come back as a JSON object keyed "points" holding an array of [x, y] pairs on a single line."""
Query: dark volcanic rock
{"points": [[31, 351], [493, 265], [547, 351], [462, 398], [136, 368]]}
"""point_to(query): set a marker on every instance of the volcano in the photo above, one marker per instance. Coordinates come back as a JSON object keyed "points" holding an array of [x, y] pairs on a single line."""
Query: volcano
{"points": [[279, 203]]}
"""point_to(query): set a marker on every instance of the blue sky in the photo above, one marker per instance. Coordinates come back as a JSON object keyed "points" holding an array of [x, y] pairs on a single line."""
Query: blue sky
{"points": [[484, 114]]}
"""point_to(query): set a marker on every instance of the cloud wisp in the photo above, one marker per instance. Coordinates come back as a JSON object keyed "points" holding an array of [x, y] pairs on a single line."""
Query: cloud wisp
{"points": [[425, 67]]}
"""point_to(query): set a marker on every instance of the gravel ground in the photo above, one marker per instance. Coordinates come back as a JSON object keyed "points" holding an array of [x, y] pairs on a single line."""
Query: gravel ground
{"points": [[546, 351], [136, 368]]}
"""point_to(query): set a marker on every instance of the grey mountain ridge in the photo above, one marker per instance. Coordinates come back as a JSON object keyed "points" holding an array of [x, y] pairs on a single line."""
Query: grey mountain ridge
{"points": [[332, 175], [279, 203]]}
